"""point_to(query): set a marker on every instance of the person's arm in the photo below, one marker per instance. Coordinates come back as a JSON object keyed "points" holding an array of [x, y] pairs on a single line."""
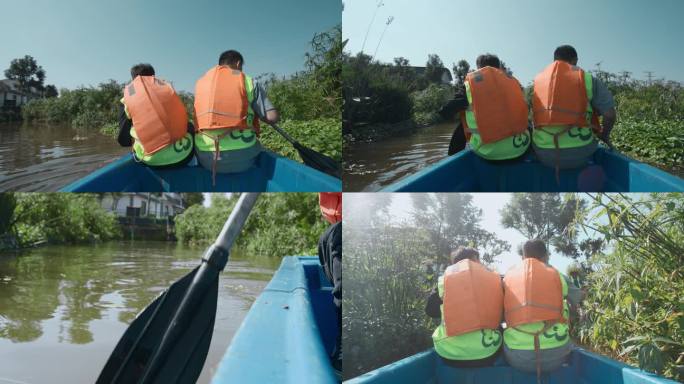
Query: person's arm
{"points": [[263, 107], [433, 303], [124, 138], [603, 103]]}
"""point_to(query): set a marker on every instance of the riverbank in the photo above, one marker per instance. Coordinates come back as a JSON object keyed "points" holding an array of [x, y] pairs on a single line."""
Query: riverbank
{"points": [[368, 133]]}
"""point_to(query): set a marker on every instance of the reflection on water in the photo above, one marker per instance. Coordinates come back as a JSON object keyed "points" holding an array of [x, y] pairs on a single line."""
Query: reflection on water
{"points": [[46, 158], [371, 166], [63, 309]]}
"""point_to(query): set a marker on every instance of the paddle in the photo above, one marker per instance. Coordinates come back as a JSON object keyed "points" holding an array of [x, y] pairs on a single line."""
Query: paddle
{"points": [[169, 340], [312, 158]]}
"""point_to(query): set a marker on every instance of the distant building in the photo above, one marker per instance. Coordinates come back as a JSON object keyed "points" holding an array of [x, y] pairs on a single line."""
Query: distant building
{"points": [[12, 96], [446, 74], [149, 205]]}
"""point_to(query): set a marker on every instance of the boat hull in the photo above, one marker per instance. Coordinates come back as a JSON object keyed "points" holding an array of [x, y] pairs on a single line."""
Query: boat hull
{"points": [[608, 172], [288, 333], [584, 367], [270, 173]]}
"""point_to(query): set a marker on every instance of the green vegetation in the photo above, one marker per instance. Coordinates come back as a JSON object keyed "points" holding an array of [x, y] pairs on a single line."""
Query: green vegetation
{"points": [[281, 224], [634, 309], [628, 252], [55, 218], [378, 93]]}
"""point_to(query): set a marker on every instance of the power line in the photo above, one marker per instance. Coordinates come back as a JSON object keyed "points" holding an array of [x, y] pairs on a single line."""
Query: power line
{"points": [[389, 21], [380, 4]]}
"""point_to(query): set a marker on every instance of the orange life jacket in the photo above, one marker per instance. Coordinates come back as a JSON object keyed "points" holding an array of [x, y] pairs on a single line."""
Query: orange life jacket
{"points": [[473, 298], [497, 103], [158, 114], [560, 96], [221, 100], [331, 206], [532, 292]]}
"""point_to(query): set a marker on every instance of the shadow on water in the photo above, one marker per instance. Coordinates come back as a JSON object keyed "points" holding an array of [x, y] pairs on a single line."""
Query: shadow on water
{"points": [[46, 158], [64, 308], [371, 166]]}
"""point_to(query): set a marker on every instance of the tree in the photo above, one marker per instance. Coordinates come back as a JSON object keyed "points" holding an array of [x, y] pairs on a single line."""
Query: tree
{"points": [[434, 68], [452, 220], [27, 73], [192, 198], [51, 91], [8, 204], [550, 218], [461, 70]]}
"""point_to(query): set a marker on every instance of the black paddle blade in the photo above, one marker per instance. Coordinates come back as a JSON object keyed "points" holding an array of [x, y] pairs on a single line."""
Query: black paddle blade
{"points": [[319, 161], [183, 364]]}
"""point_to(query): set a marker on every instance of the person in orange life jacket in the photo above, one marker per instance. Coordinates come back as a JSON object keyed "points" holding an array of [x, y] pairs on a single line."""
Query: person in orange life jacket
{"points": [[478, 348], [497, 126], [330, 257], [555, 344], [565, 110], [174, 155], [228, 107]]}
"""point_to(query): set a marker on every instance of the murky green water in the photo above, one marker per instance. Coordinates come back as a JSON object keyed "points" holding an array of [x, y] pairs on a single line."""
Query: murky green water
{"points": [[64, 308], [46, 158], [371, 166]]}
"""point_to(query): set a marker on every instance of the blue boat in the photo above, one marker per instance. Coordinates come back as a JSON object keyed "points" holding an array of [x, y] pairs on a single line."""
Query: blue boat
{"points": [[288, 333], [609, 171], [270, 173], [583, 367]]}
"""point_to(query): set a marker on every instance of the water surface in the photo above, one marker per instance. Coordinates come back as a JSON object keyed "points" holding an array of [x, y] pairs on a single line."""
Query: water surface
{"points": [[38, 157], [371, 166], [64, 308]]}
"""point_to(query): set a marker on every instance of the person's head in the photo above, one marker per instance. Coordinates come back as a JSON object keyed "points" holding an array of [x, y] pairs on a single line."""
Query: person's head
{"points": [[463, 253], [487, 60], [142, 69], [535, 249], [566, 53], [231, 58]]}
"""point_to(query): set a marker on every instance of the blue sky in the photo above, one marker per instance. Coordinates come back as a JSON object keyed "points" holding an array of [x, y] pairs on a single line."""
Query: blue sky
{"points": [[629, 35], [86, 42]]}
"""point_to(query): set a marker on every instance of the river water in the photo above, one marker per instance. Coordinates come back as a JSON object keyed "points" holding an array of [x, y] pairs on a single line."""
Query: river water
{"points": [[64, 308], [46, 158], [371, 166]]}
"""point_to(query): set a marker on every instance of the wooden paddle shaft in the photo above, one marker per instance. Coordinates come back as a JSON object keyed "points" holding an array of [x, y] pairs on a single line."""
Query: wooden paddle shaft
{"points": [[233, 226]]}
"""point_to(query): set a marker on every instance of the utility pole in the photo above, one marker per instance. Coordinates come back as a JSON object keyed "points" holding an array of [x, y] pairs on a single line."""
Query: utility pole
{"points": [[389, 21], [379, 4], [649, 74]]}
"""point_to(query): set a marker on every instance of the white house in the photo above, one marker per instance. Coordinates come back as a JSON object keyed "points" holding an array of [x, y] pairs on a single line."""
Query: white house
{"points": [[143, 204], [12, 96]]}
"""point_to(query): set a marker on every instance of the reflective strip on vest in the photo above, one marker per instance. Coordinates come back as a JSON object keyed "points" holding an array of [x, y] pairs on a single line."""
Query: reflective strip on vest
{"points": [[171, 154], [504, 149], [554, 337], [576, 136], [239, 138], [469, 346]]}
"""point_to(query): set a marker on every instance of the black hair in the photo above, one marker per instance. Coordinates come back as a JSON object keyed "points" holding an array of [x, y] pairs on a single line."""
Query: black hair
{"points": [[142, 69], [487, 60], [230, 58], [536, 249], [462, 253], [565, 53]]}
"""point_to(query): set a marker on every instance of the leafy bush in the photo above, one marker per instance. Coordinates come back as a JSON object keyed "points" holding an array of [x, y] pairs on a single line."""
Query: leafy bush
{"points": [[63, 218], [659, 142], [426, 103], [322, 135], [280, 224]]}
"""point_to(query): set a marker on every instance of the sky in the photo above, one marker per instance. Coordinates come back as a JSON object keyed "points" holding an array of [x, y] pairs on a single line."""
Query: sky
{"points": [[85, 42], [629, 35]]}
